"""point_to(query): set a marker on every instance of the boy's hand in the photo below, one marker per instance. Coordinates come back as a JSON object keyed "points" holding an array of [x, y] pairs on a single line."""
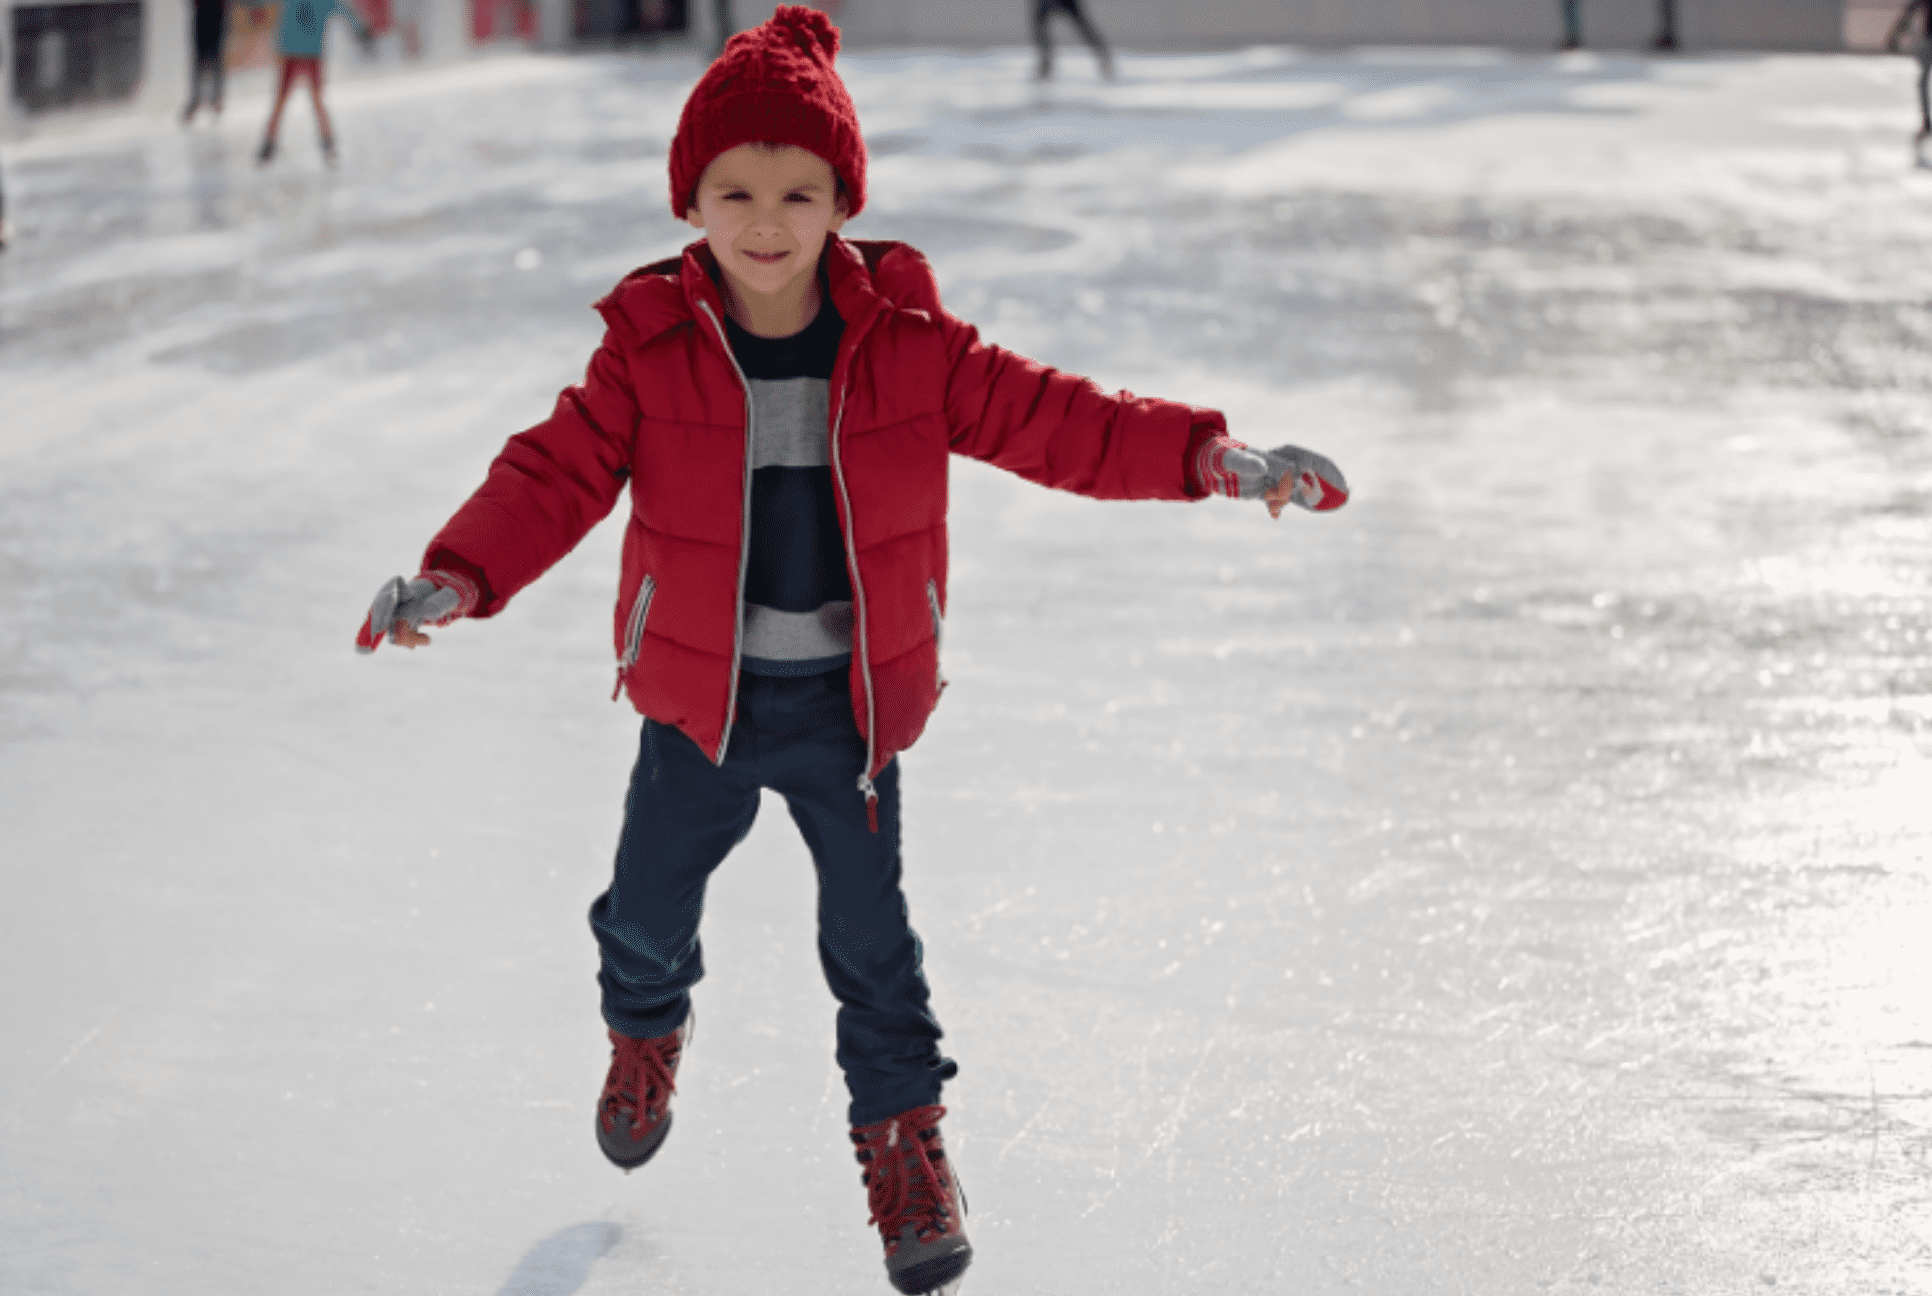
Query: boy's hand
{"points": [[1307, 479], [1282, 476], [402, 608]]}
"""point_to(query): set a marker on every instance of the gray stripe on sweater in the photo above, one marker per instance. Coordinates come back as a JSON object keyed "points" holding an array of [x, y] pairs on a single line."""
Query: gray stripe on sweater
{"points": [[798, 636], [790, 418]]}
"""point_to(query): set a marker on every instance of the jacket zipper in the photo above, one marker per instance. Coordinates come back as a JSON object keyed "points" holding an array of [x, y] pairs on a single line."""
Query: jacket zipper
{"points": [[938, 635], [744, 544], [866, 789], [634, 632]]}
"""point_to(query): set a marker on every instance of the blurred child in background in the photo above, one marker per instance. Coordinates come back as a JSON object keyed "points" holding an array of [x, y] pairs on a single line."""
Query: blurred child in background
{"points": [[299, 40]]}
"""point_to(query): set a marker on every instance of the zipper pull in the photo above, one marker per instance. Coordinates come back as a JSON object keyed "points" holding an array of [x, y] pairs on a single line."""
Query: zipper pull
{"points": [[871, 802]]}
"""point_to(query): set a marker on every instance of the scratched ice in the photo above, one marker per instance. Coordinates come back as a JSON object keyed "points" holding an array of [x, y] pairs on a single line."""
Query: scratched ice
{"points": [[1515, 883]]}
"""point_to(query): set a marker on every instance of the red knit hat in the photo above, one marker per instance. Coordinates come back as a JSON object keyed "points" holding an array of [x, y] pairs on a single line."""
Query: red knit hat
{"points": [[773, 83]]}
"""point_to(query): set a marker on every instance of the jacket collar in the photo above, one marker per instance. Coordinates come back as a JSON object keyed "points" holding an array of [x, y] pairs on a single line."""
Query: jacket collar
{"points": [[698, 277], [853, 294]]}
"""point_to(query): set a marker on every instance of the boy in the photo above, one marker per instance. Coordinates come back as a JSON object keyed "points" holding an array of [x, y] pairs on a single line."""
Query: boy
{"points": [[299, 41], [782, 403]]}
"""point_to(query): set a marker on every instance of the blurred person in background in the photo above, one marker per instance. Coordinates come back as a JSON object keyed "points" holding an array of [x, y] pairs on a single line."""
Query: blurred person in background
{"points": [[299, 41], [3, 182], [210, 32], [1917, 15], [1043, 11], [1572, 24], [721, 15], [409, 22], [1572, 11]]}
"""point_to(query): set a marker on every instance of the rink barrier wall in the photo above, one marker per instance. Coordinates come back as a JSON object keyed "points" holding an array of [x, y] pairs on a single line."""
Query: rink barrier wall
{"points": [[1804, 25], [448, 32]]}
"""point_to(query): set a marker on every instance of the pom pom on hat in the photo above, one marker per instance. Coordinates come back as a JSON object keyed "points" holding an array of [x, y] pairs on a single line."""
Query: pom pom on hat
{"points": [[774, 83]]}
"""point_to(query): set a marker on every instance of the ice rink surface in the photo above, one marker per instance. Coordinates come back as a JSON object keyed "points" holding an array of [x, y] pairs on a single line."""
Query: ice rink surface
{"points": [[1514, 883]]}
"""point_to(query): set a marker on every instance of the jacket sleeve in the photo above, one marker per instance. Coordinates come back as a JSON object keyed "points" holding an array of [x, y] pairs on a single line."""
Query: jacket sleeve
{"points": [[549, 486], [1060, 430]]}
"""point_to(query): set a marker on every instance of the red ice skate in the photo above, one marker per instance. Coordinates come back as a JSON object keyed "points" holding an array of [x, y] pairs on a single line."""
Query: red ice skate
{"points": [[634, 1113], [916, 1201]]}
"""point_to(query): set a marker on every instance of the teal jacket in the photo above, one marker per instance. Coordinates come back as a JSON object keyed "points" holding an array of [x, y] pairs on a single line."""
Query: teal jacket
{"points": [[305, 21]]}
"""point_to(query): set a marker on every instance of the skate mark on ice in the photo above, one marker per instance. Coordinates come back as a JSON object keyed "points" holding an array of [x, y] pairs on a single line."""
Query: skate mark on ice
{"points": [[13, 1116], [561, 1263]]}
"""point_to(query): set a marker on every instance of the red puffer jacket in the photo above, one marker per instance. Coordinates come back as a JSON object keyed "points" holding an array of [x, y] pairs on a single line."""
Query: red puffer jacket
{"points": [[664, 406]]}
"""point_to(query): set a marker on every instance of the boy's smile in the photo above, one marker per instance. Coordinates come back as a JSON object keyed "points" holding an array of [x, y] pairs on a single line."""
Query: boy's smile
{"points": [[766, 211]]}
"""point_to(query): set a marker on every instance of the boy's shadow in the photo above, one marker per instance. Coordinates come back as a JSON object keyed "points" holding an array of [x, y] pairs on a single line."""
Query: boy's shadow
{"points": [[561, 1263]]}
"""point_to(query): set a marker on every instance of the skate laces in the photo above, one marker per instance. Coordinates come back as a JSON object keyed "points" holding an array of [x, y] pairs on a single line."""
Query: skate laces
{"points": [[906, 1175], [642, 1079]]}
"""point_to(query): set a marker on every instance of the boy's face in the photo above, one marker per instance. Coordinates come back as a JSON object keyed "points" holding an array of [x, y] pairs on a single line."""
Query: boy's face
{"points": [[766, 212]]}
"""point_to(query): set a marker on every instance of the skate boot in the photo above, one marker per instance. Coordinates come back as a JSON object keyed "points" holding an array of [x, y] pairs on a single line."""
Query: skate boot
{"points": [[634, 1113], [328, 150], [915, 1200], [266, 152]]}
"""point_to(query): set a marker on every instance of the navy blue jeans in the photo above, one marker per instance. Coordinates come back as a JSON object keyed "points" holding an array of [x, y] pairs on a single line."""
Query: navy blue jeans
{"points": [[683, 816]]}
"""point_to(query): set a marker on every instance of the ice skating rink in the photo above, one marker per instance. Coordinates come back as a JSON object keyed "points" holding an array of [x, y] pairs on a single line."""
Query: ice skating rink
{"points": [[1514, 883]]}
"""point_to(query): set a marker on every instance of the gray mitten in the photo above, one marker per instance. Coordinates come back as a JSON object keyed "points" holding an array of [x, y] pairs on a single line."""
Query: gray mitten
{"points": [[434, 598], [1224, 466]]}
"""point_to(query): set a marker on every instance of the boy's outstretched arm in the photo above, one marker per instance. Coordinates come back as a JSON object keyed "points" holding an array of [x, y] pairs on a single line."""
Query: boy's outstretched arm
{"points": [[1060, 430], [550, 485]]}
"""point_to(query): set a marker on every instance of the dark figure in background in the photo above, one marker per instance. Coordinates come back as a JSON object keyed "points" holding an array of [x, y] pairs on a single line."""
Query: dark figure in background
{"points": [[1666, 25], [211, 32], [721, 10], [1044, 10], [3, 186], [1572, 11], [1917, 14]]}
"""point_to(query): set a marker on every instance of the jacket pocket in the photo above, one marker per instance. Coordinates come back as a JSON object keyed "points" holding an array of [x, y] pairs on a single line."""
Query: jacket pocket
{"points": [[938, 634], [634, 632]]}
